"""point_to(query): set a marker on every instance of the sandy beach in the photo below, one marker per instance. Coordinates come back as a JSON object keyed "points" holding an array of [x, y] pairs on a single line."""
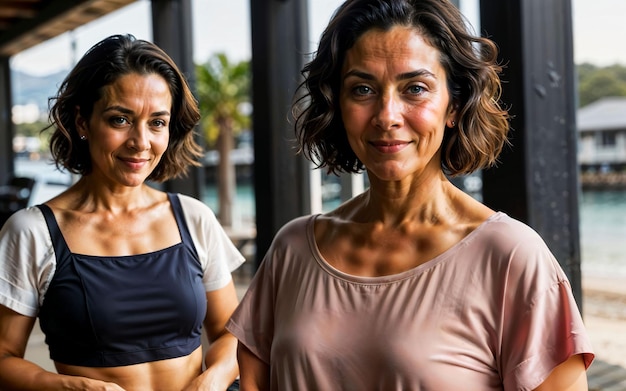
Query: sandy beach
{"points": [[604, 313]]}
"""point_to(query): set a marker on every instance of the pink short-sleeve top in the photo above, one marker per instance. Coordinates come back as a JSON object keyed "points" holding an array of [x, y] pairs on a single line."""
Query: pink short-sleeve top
{"points": [[494, 312]]}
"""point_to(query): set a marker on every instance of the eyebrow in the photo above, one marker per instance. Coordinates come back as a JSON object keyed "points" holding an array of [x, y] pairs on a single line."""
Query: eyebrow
{"points": [[402, 76], [124, 110]]}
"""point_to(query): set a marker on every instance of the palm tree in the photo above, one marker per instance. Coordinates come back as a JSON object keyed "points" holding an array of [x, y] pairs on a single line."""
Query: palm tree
{"points": [[223, 90]]}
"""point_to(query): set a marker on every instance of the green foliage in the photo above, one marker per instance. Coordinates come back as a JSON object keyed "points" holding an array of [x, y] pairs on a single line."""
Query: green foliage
{"points": [[32, 129], [223, 91], [599, 82]]}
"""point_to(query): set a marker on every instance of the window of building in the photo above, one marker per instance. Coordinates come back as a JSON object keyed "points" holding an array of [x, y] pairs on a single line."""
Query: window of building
{"points": [[607, 139]]}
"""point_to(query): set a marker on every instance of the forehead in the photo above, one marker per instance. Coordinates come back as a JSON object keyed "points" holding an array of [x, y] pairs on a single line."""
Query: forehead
{"points": [[133, 81], [148, 87], [399, 46]]}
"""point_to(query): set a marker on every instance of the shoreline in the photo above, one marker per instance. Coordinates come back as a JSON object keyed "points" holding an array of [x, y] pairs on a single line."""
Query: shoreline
{"points": [[614, 285], [603, 181], [604, 315]]}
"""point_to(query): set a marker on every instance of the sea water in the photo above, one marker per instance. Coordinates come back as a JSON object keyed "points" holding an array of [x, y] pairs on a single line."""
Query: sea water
{"points": [[603, 232]]}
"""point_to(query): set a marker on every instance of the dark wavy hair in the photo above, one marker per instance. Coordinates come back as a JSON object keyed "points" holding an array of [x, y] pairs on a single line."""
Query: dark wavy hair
{"points": [[472, 73], [102, 65]]}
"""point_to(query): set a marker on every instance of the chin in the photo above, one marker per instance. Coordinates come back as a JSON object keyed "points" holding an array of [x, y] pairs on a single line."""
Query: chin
{"points": [[390, 173], [133, 182]]}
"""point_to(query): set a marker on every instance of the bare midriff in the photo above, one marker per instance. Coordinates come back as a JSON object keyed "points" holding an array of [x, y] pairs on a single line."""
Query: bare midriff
{"points": [[163, 375]]}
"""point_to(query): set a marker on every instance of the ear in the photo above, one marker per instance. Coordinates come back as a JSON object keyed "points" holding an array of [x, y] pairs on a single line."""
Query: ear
{"points": [[80, 122], [452, 119]]}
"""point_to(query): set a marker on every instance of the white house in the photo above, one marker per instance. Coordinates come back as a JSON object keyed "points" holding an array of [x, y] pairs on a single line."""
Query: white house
{"points": [[602, 135]]}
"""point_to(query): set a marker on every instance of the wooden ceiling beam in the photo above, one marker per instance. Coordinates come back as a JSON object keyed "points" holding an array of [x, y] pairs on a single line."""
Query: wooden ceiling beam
{"points": [[50, 19]]}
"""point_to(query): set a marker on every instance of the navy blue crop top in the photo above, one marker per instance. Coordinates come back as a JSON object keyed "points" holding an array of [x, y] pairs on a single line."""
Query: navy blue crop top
{"points": [[123, 310]]}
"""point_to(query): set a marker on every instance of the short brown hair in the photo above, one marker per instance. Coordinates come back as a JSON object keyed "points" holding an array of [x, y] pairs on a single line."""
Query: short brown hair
{"points": [[102, 65], [473, 81]]}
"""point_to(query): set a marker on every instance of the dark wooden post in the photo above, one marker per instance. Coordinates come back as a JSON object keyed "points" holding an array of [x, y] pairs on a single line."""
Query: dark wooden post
{"points": [[6, 122], [281, 180], [537, 180]]}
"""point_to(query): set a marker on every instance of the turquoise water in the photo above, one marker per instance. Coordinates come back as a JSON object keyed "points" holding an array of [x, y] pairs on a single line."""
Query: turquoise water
{"points": [[603, 232], [244, 207]]}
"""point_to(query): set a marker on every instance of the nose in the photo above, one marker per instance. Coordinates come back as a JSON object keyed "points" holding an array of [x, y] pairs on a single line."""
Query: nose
{"points": [[389, 112], [139, 137]]}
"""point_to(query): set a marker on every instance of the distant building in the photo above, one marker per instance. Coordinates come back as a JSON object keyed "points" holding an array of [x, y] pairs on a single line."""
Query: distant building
{"points": [[602, 136], [602, 144]]}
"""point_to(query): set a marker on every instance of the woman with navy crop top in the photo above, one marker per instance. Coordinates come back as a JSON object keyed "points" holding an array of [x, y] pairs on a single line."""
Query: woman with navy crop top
{"points": [[122, 276]]}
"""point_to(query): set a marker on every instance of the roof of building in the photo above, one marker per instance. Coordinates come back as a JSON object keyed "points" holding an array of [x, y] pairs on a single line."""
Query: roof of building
{"points": [[26, 23], [604, 114]]}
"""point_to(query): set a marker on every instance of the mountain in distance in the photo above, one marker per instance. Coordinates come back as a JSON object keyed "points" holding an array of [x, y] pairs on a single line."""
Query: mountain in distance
{"points": [[31, 89]]}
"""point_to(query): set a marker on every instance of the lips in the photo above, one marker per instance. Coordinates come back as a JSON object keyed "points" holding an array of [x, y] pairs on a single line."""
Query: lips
{"points": [[135, 163], [389, 146], [133, 160]]}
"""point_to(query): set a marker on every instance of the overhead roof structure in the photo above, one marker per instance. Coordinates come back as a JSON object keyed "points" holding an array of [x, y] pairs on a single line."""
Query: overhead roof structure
{"points": [[26, 23]]}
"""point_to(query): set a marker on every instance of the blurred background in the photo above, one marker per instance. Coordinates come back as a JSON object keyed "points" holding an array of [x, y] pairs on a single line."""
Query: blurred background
{"points": [[222, 53]]}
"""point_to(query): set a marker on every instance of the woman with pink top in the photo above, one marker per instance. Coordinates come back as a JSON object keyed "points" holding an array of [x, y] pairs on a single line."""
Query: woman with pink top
{"points": [[413, 284]]}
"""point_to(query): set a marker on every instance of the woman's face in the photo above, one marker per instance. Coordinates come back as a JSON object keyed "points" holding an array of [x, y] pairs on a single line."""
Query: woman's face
{"points": [[395, 103], [128, 131]]}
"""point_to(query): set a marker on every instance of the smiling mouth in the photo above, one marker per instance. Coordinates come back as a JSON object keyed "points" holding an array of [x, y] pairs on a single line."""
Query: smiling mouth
{"points": [[134, 160], [389, 146], [134, 164], [388, 143]]}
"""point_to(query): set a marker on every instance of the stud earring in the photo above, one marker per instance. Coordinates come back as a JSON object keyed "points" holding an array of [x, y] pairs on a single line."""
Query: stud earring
{"points": [[83, 137], [453, 124]]}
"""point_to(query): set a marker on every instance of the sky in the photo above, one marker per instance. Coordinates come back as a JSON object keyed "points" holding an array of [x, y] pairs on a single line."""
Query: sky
{"points": [[599, 32]]}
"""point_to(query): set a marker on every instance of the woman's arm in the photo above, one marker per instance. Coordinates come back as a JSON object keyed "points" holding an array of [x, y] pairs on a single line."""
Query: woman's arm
{"points": [[221, 356], [19, 374], [255, 374], [568, 376]]}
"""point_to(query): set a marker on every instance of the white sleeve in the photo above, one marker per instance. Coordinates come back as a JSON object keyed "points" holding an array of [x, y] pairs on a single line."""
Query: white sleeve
{"points": [[27, 261], [218, 255]]}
